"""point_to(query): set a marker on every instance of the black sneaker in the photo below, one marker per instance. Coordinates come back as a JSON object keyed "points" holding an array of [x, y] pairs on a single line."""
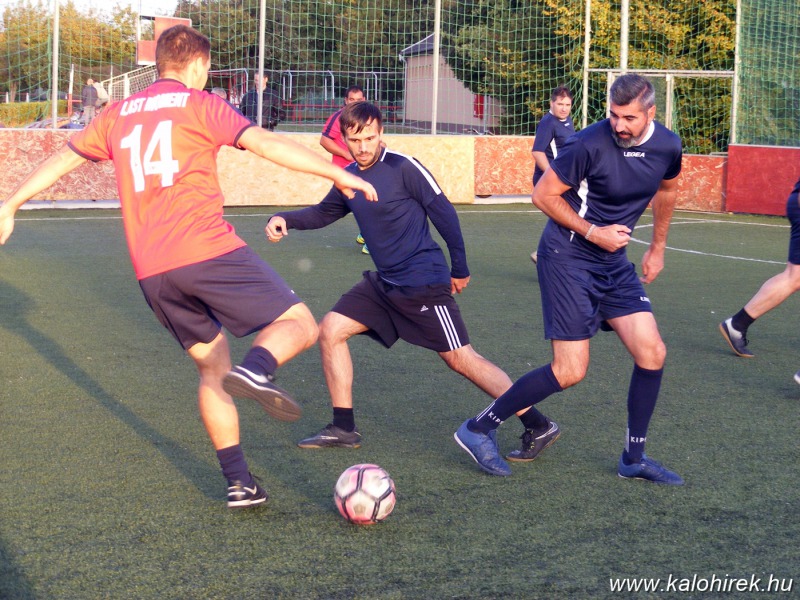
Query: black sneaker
{"points": [[735, 338], [275, 400], [245, 496], [331, 436], [533, 444]]}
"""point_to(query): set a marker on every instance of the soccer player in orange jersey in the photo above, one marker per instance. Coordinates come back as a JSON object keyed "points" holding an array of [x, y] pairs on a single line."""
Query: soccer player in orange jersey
{"points": [[196, 274]]}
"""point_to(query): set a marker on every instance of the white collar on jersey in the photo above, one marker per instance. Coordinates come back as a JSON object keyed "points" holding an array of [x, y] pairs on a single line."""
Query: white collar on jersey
{"points": [[649, 133]]}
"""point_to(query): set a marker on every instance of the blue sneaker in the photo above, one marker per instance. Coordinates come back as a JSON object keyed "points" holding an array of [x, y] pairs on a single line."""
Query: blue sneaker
{"points": [[483, 450], [649, 470]]}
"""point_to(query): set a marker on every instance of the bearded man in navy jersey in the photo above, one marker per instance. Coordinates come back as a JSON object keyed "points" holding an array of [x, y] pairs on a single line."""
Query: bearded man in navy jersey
{"points": [[594, 192], [410, 296]]}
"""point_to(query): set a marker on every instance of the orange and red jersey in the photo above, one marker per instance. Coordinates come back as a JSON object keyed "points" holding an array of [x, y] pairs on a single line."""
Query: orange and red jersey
{"points": [[164, 143]]}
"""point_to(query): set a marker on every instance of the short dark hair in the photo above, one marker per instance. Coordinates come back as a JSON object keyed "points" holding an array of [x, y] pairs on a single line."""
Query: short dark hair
{"points": [[560, 92], [358, 115], [178, 46], [630, 87], [354, 88]]}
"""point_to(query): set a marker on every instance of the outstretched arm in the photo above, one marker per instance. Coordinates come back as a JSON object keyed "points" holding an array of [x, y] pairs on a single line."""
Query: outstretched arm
{"points": [[45, 175], [283, 151]]}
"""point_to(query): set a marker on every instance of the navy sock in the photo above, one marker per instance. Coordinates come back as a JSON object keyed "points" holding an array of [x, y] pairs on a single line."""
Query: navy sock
{"points": [[642, 396], [534, 420], [343, 418], [741, 321], [260, 361], [234, 466], [531, 388]]}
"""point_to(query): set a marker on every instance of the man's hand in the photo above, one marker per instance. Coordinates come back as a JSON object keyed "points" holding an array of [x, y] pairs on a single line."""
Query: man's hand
{"points": [[652, 265], [6, 224], [611, 237], [347, 182], [276, 229], [458, 285]]}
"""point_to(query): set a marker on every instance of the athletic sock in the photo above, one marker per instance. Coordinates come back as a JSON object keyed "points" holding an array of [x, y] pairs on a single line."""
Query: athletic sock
{"points": [[642, 396], [531, 388], [343, 418], [260, 361], [741, 321], [234, 466], [535, 421]]}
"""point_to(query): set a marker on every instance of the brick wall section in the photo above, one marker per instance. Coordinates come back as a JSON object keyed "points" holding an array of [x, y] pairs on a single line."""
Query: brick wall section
{"points": [[753, 179]]}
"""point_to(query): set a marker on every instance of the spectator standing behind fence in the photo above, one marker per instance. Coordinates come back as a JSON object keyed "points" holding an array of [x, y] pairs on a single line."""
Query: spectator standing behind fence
{"points": [[594, 193], [89, 101], [196, 274], [772, 292], [271, 103], [332, 139], [551, 133]]}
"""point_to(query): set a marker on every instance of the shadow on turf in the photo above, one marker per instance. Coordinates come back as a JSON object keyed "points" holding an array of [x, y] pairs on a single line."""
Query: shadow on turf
{"points": [[13, 583], [15, 304]]}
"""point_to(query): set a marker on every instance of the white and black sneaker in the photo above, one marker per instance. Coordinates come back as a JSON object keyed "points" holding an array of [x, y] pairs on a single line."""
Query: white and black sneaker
{"points": [[245, 496], [331, 436], [735, 338], [241, 383]]}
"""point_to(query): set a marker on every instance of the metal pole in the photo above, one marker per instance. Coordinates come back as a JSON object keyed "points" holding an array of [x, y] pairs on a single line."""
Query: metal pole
{"points": [[587, 40], [262, 32], [437, 23], [54, 74], [623, 34], [737, 74]]}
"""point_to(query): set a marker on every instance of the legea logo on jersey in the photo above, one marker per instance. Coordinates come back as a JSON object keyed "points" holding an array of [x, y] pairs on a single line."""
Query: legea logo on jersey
{"points": [[633, 154]]}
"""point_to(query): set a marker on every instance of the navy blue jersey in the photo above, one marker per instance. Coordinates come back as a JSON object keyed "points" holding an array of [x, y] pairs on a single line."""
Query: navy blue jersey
{"points": [[551, 134], [395, 227], [608, 184]]}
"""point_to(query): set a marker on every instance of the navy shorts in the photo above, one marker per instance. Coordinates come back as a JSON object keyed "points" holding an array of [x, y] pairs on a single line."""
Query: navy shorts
{"points": [[426, 316], [577, 300], [793, 213], [238, 291]]}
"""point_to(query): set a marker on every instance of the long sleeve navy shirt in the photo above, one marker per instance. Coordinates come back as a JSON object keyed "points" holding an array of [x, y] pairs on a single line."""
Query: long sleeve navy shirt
{"points": [[395, 227]]}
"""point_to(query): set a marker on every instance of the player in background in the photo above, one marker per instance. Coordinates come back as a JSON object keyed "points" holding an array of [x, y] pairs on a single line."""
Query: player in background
{"points": [[619, 166], [773, 291], [332, 139], [196, 274], [553, 130], [410, 297]]}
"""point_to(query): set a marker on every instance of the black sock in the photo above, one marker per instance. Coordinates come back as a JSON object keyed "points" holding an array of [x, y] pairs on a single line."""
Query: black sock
{"points": [[260, 361], [234, 465], [531, 388], [343, 418], [534, 420], [741, 321], [642, 396]]}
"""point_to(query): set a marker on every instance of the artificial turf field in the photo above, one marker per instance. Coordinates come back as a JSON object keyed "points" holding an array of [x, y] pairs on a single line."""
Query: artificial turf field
{"points": [[109, 487]]}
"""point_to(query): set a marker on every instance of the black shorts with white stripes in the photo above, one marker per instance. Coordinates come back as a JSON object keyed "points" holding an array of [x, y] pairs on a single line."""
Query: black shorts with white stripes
{"points": [[425, 316]]}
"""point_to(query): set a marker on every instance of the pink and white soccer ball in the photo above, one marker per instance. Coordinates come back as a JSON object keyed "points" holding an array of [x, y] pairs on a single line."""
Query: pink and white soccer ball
{"points": [[364, 494]]}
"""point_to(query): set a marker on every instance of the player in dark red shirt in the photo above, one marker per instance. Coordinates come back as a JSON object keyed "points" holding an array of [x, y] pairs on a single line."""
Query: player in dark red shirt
{"points": [[196, 274]]}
